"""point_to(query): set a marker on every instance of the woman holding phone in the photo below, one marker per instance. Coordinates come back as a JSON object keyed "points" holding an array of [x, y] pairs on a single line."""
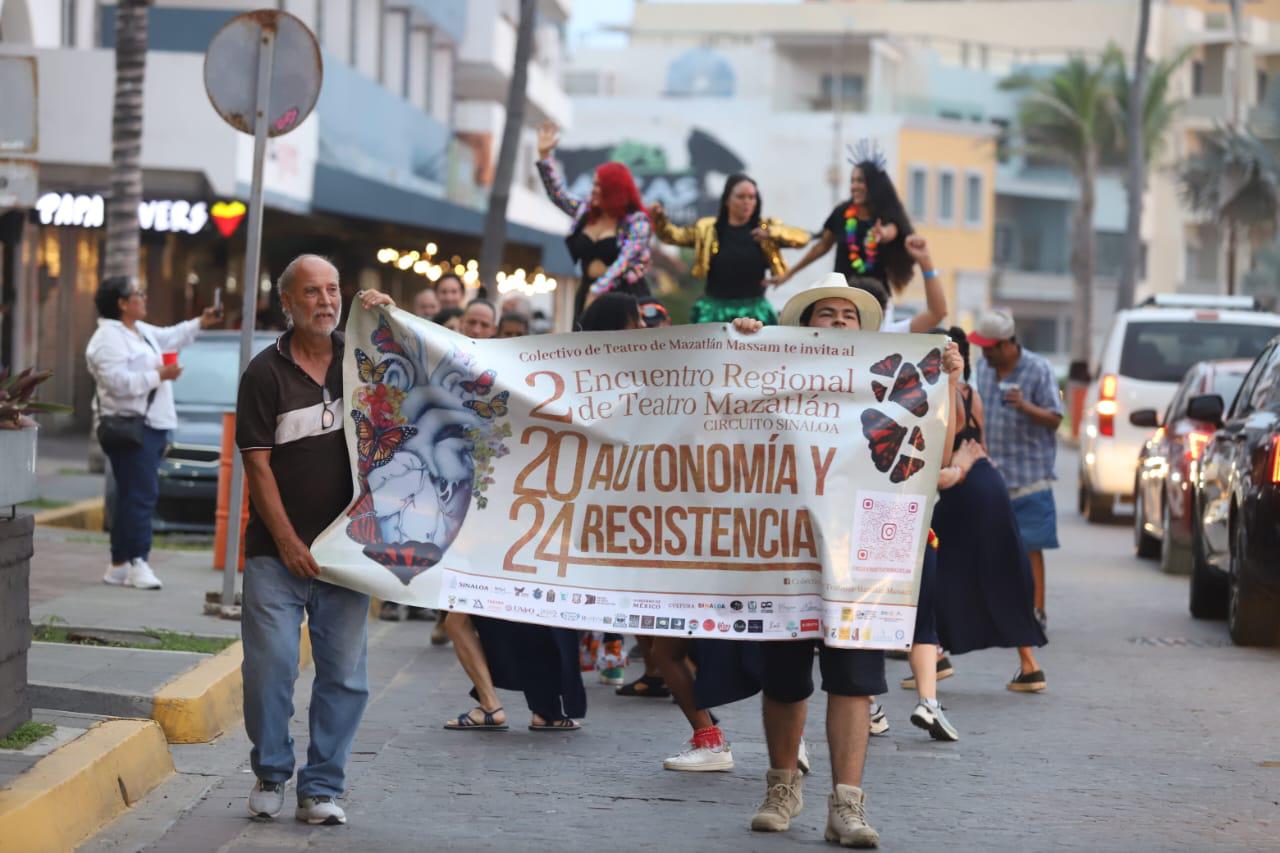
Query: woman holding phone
{"points": [[134, 364]]}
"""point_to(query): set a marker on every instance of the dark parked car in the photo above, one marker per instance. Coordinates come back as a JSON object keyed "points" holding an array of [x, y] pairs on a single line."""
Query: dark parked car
{"points": [[189, 471], [1236, 540], [1168, 460]]}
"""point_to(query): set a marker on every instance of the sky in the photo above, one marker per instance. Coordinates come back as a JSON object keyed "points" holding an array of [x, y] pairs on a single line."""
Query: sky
{"points": [[590, 16]]}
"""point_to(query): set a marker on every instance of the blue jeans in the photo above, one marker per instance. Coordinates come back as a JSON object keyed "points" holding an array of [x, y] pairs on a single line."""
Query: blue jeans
{"points": [[274, 602], [137, 475]]}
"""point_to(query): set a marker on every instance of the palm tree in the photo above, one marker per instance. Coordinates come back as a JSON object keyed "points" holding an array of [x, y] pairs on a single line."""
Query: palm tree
{"points": [[1069, 116], [126, 139], [495, 223], [1146, 132]]}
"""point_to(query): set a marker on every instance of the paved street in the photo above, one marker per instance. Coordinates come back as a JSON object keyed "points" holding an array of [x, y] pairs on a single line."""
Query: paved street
{"points": [[1155, 734]]}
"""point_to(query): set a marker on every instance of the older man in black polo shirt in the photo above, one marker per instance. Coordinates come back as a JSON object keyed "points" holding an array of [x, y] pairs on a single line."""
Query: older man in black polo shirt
{"points": [[289, 430]]}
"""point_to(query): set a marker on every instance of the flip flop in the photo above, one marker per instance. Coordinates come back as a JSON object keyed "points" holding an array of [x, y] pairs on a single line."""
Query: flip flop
{"points": [[465, 723], [563, 725]]}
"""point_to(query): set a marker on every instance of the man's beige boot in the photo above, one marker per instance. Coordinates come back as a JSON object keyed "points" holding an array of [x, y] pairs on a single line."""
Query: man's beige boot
{"points": [[847, 818], [782, 801]]}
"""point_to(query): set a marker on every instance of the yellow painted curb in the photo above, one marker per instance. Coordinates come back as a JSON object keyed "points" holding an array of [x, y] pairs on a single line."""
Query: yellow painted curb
{"points": [[207, 699], [82, 515], [202, 702], [83, 785]]}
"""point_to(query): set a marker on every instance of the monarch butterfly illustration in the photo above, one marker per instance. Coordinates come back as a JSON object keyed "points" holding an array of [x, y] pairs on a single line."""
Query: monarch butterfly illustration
{"points": [[931, 366], [495, 408], [363, 527], [906, 466], [385, 341], [885, 435], [917, 438], [482, 384], [879, 389], [368, 371], [377, 445], [909, 393], [887, 366]]}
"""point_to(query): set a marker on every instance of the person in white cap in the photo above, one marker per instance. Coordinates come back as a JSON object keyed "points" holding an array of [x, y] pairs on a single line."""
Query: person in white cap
{"points": [[850, 677], [1021, 433]]}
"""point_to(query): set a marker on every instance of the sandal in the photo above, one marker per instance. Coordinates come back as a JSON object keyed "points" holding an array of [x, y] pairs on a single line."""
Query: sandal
{"points": [[564, 724], [465, 722], [651, 686]]}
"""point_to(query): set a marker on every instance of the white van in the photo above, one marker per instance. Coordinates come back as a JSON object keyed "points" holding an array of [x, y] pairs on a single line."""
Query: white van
{"points": [[1148, 351]]}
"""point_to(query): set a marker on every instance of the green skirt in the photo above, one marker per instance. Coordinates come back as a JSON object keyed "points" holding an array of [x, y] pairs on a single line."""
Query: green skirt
{"points": [[708, 309]]}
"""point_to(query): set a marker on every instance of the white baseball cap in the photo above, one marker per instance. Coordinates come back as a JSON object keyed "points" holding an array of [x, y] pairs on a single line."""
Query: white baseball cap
{"points": [[992, 328]]}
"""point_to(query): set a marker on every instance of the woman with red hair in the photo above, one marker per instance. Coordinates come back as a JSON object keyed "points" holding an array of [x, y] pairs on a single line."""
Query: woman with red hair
{"points": [[610, 234]]}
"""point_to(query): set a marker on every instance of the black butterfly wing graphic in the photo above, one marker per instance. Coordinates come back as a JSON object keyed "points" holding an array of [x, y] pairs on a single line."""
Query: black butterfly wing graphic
{"points": [[884, 436], [906, 467], [917, 439], [909, 393], [385, 340], [887, 366], [931, 366], [879, 389]]}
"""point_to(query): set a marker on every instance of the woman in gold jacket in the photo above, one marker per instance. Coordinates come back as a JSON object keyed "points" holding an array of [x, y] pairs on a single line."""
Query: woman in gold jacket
{"points": [[735, 252]]}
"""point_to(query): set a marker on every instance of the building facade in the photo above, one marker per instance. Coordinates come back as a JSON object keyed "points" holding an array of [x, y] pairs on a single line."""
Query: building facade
{"points": [[845, 66], [381, 164]]}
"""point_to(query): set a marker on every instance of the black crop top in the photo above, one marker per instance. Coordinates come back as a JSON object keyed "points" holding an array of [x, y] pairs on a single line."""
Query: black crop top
{"points": [[584, 250]]}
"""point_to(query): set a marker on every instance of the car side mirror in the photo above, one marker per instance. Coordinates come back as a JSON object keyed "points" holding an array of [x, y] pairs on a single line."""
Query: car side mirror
{"points": [[1208, 408], [1145, 418]]}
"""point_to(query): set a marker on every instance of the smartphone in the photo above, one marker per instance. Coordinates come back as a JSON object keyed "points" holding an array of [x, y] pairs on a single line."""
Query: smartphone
{"points": [[217, 300]]}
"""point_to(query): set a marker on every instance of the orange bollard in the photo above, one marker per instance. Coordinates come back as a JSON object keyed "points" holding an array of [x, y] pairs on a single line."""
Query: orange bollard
{"points": [[224, 497]]}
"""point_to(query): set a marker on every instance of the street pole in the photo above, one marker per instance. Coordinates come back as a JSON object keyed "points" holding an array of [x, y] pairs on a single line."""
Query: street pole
{"points": [[1237, 122], [252, 272]]}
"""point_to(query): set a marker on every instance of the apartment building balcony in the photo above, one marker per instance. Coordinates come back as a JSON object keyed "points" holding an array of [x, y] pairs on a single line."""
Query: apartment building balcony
{"points": [[487, 57], [1206, 111], [1031, 285]]}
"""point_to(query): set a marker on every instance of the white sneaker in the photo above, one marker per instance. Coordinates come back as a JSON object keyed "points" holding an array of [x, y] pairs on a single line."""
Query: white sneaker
{"points": [[320, 811], [141, 576], [879, 719], [701, 756], [929, 716], [117, 575], [266, 799], [802, 759]]}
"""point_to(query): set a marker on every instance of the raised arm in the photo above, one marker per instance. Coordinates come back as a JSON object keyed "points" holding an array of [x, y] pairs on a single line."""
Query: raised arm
{"points": [[549, 171], [632, 263], [787, 236], [817, 250], [667, 231], [935, 298]]}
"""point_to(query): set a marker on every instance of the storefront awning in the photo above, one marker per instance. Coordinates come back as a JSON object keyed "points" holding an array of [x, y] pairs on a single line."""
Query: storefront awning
{"points": [[341, 192]]}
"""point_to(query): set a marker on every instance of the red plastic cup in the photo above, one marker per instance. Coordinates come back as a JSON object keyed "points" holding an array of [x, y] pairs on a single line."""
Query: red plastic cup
{"points": [[169, 358]]}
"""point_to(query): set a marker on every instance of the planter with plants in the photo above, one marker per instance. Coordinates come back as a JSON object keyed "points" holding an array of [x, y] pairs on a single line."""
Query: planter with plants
{"points": [[17, 484]]}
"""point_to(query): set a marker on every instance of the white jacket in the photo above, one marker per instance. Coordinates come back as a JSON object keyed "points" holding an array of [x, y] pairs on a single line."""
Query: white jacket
{"points": [[126, 368]]}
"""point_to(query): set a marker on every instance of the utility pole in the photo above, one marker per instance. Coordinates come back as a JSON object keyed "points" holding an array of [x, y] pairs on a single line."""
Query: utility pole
{"points": [[1237, 122]]}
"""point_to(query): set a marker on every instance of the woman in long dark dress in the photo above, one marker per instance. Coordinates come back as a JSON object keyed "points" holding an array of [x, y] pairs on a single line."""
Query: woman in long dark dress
{"points": [[609, 237], [984, 584]]}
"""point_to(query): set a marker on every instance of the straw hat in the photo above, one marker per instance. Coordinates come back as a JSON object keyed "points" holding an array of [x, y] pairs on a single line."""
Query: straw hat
{"points": [[834, 286]]}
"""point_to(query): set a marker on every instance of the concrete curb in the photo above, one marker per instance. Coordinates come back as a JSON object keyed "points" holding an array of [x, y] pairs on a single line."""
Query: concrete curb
{"points": [[82, 515], [83, 785], [207, 699]]}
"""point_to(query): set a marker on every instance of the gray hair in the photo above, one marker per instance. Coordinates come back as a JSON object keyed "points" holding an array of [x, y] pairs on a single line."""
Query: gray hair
{"points": [[286, 278]]}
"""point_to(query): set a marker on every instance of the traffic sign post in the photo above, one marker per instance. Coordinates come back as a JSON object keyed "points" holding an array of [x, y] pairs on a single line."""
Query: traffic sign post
{"points": [[262, 73]]}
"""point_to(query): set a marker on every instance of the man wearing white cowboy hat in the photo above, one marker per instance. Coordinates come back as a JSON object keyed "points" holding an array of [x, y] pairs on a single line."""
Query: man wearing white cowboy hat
{"points": [[850, 677]]}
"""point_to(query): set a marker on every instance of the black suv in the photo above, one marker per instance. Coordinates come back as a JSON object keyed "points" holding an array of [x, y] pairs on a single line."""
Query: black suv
{"points": [[1236, 518]]}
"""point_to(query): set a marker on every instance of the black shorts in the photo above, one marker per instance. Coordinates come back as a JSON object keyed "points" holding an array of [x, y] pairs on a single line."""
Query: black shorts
{"points": [[926, 622], [787, 670]]}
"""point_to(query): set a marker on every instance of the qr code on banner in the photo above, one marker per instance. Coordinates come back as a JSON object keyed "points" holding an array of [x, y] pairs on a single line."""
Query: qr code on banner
{"points": [[886, 530]]}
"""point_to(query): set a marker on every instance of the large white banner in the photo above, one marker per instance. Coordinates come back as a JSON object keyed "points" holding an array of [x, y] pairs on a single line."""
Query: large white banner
{"points": [[688, 481]]}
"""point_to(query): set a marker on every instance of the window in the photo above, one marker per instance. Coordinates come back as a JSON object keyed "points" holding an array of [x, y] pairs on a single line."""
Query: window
{"points": [[946, 197], [918, 193], [845, 89], [335, 27], [973, 200], [1002, 251], [395, 54], [1038, 334], [1262, 85], [1163, 351], [366, 37], [1197, 77], [419, 67]]}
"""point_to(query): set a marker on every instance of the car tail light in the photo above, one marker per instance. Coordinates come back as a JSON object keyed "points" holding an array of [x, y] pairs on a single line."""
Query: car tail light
{"points": [[1275, 460], [1196, 442], [1107, 406]]}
